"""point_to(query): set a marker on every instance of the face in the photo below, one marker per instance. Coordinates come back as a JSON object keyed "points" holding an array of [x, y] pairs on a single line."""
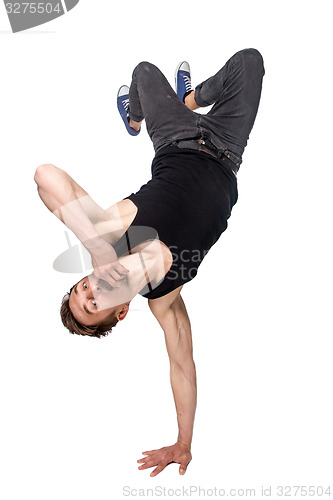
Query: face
{"points": [[93, 301]]}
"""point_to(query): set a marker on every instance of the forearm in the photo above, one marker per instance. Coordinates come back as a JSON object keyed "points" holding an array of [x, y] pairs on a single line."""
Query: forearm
{"points": [[184, 388]]}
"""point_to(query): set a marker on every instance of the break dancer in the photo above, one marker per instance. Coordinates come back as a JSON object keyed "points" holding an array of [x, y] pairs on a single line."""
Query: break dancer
{"points": [[153, 241]]}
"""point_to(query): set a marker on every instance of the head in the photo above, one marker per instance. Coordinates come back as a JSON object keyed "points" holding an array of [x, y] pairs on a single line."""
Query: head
{"points": [[88, 308]]}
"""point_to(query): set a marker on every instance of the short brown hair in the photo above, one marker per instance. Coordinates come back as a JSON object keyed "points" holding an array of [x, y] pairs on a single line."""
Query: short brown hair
{"points": [[74, 326]]}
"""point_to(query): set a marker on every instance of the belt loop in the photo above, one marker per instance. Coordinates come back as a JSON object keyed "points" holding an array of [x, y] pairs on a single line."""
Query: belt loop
{"points": [[232, 157]]}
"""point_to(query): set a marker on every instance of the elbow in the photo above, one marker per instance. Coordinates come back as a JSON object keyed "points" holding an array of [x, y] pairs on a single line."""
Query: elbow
{"points": [[185, 369], [190, 371], [42, 174]]}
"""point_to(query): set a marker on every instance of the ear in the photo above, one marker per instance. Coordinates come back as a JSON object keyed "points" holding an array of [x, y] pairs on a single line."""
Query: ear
{"points": [[123, 312]]}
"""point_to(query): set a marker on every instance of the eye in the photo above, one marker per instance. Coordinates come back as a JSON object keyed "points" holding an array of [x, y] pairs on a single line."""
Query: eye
{"points": [[85, 285], [94, 303]]}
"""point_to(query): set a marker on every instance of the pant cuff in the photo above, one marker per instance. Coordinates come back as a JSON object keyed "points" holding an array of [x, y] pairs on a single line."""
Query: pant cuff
{"points": [[135, 118], [200, 102]]}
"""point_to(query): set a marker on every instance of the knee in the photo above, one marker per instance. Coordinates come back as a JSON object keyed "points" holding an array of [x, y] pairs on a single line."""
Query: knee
{"points": [[143, 67], [252, 57]]}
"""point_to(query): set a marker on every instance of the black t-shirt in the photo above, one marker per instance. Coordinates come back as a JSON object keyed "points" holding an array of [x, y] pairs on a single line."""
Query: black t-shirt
{"points": [[186, 205]]}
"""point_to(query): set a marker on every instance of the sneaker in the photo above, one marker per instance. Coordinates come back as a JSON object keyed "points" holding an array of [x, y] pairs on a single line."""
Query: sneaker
{"points": [[122, 104], [183, 79]]}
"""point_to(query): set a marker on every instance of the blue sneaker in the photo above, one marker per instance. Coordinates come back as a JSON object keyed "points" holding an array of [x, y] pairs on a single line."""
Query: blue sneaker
{"points": [[183, 79], [122, 104]]}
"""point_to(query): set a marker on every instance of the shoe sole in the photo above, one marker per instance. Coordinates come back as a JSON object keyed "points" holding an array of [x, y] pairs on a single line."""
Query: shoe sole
{"points": [[131, 131]]}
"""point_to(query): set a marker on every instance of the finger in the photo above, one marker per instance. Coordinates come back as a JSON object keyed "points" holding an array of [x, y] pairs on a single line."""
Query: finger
{"points": [[117, 270], [112, 282], [119, 278], [97, 273], [158, 469], [114, 279], [115, 283], [150, 456], [116, 273], [103, 275], [182, 469], [121, 269], [148, 452], [148, 464], [116, 276], [144, 459]]}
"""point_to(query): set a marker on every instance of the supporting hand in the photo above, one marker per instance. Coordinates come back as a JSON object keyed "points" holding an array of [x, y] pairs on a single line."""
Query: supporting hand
{"points": [[178, 453]]}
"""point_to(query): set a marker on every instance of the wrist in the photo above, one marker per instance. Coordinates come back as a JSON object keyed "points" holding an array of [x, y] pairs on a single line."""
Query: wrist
{"points": [[185, 443]]}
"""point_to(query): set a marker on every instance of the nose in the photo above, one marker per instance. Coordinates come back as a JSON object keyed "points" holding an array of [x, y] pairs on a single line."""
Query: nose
{"points": [[94, 286], [96, 289]]}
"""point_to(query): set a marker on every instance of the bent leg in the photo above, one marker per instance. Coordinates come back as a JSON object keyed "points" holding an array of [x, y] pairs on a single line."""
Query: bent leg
{"points": [[153, 99], [235, 92]]}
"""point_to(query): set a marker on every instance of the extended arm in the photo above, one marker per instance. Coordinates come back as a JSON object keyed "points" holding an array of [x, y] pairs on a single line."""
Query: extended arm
{"points": [[178, 337], [176, 325], [172, 316]]}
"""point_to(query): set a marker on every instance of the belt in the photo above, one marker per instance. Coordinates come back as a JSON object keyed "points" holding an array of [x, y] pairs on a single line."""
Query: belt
{"points": [[225, 156]]}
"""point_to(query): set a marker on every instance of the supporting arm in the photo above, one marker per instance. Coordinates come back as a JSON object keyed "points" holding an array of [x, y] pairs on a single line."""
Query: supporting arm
{"points": [[176, 325], [171, 314]]}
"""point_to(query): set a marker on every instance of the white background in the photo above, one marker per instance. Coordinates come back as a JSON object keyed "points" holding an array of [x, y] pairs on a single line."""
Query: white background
{"points": [[77, 412]]}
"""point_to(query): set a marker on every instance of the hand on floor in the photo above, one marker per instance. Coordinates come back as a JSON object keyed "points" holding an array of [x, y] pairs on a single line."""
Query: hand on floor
{"points": [[177, 453]]}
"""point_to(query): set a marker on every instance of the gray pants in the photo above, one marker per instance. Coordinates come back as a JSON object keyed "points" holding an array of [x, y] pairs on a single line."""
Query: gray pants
{"points": [[234, 92]]}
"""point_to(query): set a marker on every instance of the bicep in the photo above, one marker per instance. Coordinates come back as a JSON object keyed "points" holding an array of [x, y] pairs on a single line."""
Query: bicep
{"points": [[78, 190], [94, 212], [57, 188]]}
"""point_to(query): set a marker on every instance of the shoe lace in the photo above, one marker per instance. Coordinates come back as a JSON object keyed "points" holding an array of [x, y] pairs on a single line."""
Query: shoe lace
{"points": [[125, 103], [187, 82]]}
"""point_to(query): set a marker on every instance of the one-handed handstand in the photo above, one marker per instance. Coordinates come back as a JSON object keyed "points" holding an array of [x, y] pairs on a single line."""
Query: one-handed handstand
{"points": [[153, 241]]}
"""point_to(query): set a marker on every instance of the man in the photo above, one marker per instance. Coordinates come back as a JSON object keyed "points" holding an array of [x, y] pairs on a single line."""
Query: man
{"points": [[153, 241]]}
